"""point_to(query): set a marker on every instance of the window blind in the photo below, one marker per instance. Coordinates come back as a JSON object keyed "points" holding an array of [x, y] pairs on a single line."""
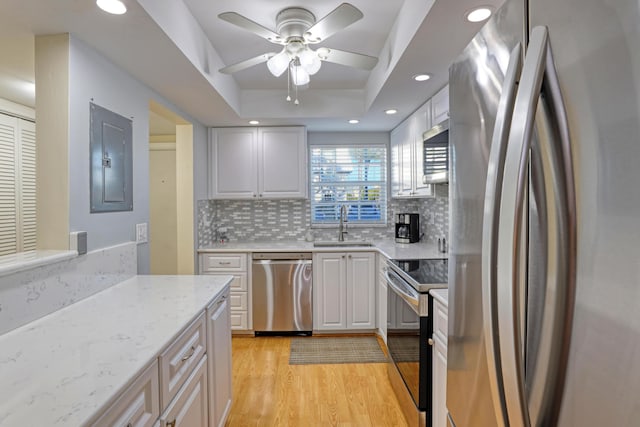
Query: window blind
{"points": [[354, 176]]}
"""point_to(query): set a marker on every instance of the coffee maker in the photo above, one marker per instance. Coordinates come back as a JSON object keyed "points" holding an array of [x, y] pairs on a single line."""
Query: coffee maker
{"points": [[408, 228]]}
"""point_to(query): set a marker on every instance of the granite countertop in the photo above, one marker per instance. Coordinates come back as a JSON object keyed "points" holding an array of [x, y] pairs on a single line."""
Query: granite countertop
{"points": [[388, 248], [63, 368], [441, 295]]}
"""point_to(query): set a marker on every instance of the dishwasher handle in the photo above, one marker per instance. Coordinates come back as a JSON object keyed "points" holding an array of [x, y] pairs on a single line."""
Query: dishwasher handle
{"points": [[281, 256], [282, 262]]}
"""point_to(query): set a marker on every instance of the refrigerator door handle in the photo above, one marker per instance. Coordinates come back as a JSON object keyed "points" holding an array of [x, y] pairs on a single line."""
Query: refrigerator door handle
{"points": [[510, 228], [538, 69], [493, 193], [545, 379]]}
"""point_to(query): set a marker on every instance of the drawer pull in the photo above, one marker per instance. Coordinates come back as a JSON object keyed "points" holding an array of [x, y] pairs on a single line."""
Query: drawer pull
{"points": [[172, 423], [224, 262], [189, 356]]}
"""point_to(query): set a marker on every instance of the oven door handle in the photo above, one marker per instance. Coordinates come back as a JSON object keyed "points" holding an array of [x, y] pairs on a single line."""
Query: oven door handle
{"points": [[397, 284]]}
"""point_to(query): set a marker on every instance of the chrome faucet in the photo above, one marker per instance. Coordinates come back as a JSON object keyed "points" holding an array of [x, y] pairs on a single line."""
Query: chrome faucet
{"points": [[343, 220]]}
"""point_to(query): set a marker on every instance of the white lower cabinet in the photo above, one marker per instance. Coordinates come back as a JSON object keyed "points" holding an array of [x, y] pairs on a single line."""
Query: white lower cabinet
{"points": [[139, 405], [439, 367], [178, 360], [189, 383], [232, 264], [190, 406], [382, 298], [219, 350], [344, 291]]}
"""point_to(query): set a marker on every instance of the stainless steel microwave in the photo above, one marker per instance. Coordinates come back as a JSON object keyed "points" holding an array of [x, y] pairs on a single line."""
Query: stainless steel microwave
{"points": [[436, 154]]}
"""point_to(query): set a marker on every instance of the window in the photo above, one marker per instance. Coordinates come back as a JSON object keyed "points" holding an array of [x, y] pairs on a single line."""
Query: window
{"points": [[355, 176]]}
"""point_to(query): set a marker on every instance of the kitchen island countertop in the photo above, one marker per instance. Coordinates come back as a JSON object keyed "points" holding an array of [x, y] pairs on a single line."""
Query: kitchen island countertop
{"points": [[62, 369]]}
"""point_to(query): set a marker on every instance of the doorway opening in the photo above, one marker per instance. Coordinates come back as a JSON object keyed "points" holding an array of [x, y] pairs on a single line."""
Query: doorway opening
{"points": [[171, 223]]}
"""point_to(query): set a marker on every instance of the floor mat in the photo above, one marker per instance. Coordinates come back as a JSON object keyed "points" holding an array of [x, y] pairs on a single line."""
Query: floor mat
{"points": [[327, 350]]}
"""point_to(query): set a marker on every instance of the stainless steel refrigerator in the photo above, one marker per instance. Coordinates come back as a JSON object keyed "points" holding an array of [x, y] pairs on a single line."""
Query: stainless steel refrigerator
{"points": [[544, 266]]}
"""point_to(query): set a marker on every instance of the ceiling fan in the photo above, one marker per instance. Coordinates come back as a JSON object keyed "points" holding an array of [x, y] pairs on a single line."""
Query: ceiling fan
{"points": [[296, 30]]}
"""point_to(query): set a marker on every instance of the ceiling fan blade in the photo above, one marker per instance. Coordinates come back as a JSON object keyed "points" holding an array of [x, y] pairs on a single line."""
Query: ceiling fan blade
{"points": [[247, 63], [247, 24], [338, 19], [350, 59]]}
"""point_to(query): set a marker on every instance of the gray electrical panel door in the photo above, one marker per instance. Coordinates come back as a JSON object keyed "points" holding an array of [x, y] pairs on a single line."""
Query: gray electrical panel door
{"points": [[111, 161]]}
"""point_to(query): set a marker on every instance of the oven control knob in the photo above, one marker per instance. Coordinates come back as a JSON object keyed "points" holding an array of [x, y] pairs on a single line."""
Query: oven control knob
{"points": [[430, 341]]}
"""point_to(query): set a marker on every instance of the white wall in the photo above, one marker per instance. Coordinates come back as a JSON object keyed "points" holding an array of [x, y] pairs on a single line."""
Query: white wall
{"points": [[95, 79]]}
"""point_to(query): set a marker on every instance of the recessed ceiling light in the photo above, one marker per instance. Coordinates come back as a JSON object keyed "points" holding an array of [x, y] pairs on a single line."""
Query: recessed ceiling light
{"points": [[478, 14], [390, 111], [354, 121], [421, 77], [115, 7], [254, 122]]}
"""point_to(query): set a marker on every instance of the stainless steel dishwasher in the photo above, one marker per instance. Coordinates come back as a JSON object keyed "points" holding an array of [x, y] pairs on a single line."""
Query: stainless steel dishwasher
{"points": [[281, 285]]}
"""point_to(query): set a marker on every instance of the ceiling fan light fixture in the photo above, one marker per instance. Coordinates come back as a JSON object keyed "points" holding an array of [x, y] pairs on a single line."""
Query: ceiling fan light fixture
{"points": [[278, 63], [114, 7], [299, 75], [310, 61]]}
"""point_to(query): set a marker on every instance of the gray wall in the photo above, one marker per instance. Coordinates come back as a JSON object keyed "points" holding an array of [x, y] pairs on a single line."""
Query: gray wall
{"points": [[93, 78]]}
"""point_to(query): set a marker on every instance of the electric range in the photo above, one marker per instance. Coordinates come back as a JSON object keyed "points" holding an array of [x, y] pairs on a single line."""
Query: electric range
{"points": [[422, 274]]}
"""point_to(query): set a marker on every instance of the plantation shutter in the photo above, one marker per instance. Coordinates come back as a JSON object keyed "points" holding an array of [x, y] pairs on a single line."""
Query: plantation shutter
{"points": [[8, 206], [17, 185]]}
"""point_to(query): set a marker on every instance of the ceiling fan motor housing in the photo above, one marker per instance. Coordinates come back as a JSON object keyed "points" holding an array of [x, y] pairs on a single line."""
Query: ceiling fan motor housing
{"points": [[294, 22]]}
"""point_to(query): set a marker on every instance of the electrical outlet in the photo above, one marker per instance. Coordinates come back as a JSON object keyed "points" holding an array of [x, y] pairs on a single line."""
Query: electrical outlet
{"points": [[141, 233]]}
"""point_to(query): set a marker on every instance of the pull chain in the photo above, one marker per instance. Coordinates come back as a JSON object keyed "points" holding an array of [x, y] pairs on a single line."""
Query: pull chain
{"points": [[289, 81]]}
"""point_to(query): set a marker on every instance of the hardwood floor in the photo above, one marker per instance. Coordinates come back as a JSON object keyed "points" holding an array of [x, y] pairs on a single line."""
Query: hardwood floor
{"points": [[267, 391]]}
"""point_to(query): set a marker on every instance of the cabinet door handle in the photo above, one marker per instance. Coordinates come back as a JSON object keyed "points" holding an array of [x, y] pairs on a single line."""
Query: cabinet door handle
{"points": [[129, 424], [255, 195], [192, 351], [260, 195], [172, 423], [349, 256], [430, 341], [221, 300]]}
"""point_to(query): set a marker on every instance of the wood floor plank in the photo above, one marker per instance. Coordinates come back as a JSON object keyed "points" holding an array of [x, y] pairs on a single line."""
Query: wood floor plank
{"points": [[267, 391]]}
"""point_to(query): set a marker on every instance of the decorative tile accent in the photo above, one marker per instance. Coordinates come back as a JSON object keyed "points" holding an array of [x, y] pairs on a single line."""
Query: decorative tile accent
{"points": [[31, 294], [262, 220]]}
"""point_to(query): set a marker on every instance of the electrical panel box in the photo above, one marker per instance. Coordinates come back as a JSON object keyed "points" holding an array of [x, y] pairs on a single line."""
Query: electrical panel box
{"points": [[111, 161]]}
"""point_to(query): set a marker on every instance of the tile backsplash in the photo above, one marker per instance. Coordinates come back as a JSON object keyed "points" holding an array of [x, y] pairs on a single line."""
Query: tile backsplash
{"points": [[290, 219]]}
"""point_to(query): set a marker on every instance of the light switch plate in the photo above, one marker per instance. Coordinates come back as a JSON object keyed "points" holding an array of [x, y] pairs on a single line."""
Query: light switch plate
{"points": [[141, 233]]}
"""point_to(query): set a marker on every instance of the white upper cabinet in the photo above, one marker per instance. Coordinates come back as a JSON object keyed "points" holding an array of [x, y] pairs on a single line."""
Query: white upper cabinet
{"points": [[407, 170], [233, 161], [440, 106], [282, 162], [247, 163], [421, 121]]}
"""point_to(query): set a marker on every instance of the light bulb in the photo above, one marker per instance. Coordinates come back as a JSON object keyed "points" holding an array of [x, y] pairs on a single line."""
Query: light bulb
{"points": [[299, 76], [278, 63], [310, 61]]}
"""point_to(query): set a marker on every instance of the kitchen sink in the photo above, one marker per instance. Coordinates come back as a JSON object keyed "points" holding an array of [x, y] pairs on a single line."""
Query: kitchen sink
{"points": [[347, 243]]}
